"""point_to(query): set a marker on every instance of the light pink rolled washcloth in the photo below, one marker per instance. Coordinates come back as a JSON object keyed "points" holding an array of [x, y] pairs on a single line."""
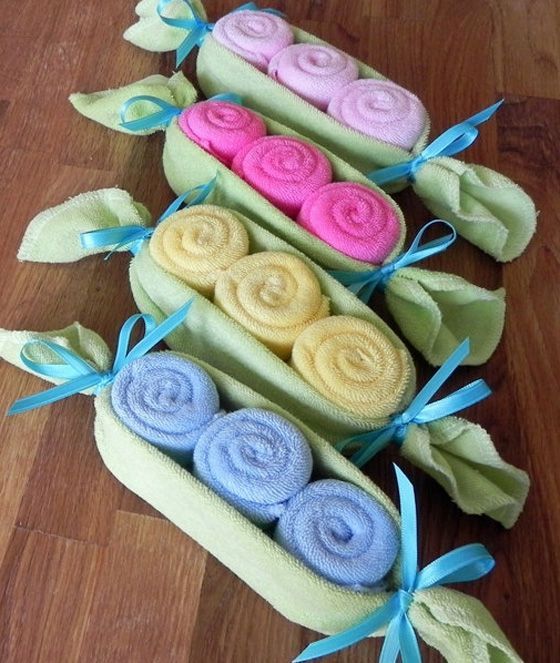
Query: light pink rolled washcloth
{"points": [[221, 128], [285, 170], [380, 109], [355, 220], [314, 72], [255, 36]]}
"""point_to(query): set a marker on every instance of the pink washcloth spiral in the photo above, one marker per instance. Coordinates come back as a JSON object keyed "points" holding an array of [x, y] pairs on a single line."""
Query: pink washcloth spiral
{"points": [[285, 170], [221, 128], [255, 36], [314, 72], [380, 109], [355, 220]]}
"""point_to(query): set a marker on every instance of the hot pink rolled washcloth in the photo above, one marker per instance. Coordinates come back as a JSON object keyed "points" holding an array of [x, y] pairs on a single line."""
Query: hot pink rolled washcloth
{"points": [[355, 220], [380, 109], [314, 72], [255, 36], [221, 128], [285, 170]]}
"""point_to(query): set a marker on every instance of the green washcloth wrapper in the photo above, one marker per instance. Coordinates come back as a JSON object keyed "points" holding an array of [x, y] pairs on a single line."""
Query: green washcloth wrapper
{"points": [[469, 468], [486, 208]]}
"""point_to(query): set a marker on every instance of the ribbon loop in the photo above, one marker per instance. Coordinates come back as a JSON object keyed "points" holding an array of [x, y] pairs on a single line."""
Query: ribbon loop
{"points": [[162, 117], [363, 284], [463, 564], [456, 139], [420, 410], [79, 375]]}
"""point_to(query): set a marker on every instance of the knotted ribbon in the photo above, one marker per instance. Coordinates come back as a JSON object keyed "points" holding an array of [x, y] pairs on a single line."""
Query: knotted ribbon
{"points": [[197, 27], [133, 236], [463, 564], [362, 284], [166, 111], [79, 375], [420, 411], [454, 140]]}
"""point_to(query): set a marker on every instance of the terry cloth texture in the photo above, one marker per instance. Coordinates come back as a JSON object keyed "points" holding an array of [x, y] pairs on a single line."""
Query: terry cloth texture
{"points": [[315, 73], [353, 219], [341, 533], [221, 128], [274, 295], [198, 243], [256, 460], [166, 400], [353, 364]]}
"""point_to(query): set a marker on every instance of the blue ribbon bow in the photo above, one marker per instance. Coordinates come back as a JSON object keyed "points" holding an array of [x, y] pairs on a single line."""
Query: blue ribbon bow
{"points": [[80, 375], [166, 112], [133, 236], [451, 142], [420, 411], [197, 27], [362, 284], [463, 564]]}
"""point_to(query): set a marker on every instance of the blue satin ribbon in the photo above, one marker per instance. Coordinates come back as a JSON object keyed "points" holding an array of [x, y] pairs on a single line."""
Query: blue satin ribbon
{"points": [[166, 112], [463, 564], [451, 142], [79, 374], [133, 236], [420, 411], [362, 284], [197, 27]]}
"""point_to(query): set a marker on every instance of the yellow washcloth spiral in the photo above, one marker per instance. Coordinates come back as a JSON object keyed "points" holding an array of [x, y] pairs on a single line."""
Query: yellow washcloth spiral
{"points": [[197, 244], [274, 295], [353, 364]]}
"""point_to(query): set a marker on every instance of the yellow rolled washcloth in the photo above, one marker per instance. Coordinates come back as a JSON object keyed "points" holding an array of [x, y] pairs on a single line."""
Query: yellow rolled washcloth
{"points": [[274, 295], [197, 244], [353, 364]]}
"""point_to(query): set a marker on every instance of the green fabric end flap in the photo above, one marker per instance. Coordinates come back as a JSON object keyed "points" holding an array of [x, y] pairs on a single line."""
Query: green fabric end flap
{"points": [[437, 311]]}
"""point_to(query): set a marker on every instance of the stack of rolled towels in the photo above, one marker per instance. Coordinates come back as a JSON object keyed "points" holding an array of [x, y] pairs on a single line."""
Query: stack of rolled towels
{"points": [[296, 177], [278, 299], [325, 77], [261, 464]]}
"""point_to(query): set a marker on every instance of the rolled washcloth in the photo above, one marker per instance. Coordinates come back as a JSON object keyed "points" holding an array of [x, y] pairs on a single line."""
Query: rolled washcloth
{"points": [[353, 364], [255, 36], [313, 71], [274, 295], [380, 109], [285, 170], [221, 128], [198, 243], [167, 400], [355, 220], [341, 532], [255, 460]]}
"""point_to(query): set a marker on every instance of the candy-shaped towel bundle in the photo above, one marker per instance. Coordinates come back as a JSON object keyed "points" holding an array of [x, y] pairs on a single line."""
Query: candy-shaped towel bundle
{"points": [[456, 624], [486, 207], [270, 178]]}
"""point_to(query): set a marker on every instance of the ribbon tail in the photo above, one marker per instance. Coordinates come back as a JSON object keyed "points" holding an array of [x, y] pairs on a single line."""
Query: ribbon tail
{"points": [[391, 644], [382, 176], [410, 651], [377, 441], [459, 400], [193, 39], [57, 393]]}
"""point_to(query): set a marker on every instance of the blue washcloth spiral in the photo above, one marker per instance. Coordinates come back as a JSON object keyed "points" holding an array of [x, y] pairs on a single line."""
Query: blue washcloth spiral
{"points": [[255, 460], [340, 532], [166, 400]]}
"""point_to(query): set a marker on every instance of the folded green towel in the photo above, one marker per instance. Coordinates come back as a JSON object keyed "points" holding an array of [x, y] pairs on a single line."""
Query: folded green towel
{"points": [[487, 208], [452, 622], [186, 164], [471, 471]]}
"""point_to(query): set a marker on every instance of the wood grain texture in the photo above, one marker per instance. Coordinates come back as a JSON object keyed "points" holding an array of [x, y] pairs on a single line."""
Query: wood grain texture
{"points": [[88, 572]]}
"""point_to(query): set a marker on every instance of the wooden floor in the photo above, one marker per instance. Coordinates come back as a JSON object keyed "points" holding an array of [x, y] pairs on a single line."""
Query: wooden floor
{"points": [[90, 573]]}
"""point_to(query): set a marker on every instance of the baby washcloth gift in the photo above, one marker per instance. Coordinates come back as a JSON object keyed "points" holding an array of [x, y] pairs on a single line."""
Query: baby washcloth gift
{"points": [[486, 207], [333, 383], [80, 361]]}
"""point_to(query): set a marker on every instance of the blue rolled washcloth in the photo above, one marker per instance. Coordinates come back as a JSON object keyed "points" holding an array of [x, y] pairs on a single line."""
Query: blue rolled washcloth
{"points": [[340, 532], [255, 460], [167, 400]]}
